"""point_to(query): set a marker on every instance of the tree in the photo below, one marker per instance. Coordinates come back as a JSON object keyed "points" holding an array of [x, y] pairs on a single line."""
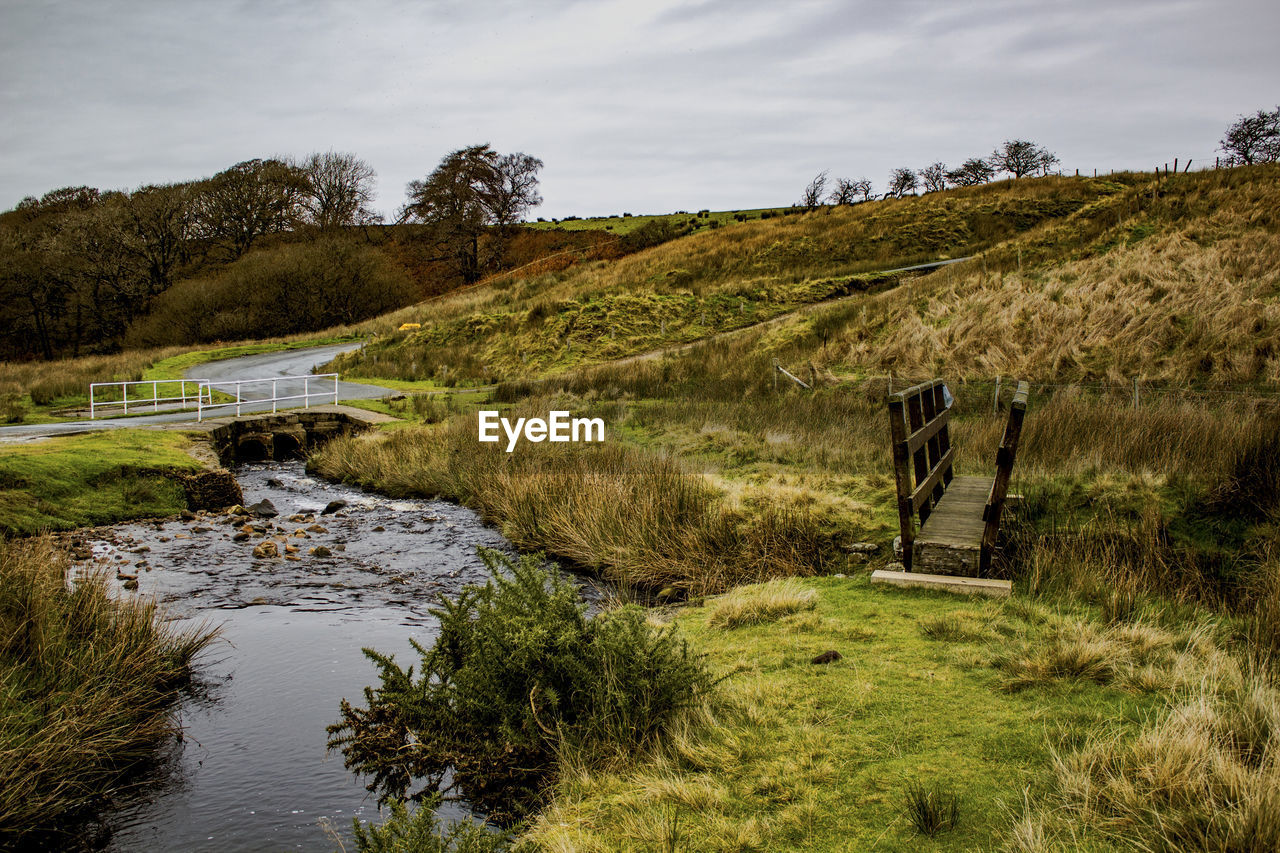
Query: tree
{"points": [[472, 190], [1253, 139], [901, 182], [844, 193], [862, 186], [972, 172], [338, 191], [240, 204], [812, 196], [1020, 158], [934, 177]]}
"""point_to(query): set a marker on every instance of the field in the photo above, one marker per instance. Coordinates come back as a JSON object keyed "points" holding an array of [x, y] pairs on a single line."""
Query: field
{"points": [[1143, 553], [1124, 698]]}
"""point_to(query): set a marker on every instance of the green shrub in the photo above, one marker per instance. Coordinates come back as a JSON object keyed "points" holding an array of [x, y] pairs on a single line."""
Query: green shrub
{"points": [[420, 832], [518, 677], [932, 808]]}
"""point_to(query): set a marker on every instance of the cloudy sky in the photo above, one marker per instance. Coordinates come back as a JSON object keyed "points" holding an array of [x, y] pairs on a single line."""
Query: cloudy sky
{"points": [[634, 105]]}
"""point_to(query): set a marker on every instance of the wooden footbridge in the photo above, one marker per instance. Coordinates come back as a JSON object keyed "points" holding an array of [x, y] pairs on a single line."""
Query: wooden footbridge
{"points": [[959, 516]]}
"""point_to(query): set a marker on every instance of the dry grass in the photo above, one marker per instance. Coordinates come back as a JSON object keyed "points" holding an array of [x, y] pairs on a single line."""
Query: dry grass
{"points": [[639, 519], [88, 682], [766, 602], [1203, 776]]}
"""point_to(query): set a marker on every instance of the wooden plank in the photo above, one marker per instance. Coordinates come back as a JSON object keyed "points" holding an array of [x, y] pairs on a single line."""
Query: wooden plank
{"points": [[1005, 457], [919, 497], [928, 431], [914, 390], [957, 519], [950, 583]]}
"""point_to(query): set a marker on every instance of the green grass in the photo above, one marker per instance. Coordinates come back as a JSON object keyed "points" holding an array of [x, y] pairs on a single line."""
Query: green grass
{"points": [[621, 225], [822, 757], [77, 481]]}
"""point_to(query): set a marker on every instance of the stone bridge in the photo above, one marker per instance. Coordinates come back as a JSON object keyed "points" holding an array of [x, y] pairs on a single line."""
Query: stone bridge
{"points": [[288, 435]]}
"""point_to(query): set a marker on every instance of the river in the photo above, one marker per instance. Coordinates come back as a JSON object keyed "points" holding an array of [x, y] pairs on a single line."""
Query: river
{"points": [[251, 771]]}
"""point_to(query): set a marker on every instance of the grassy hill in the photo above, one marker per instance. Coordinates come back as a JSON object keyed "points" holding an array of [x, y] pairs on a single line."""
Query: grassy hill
{"points": [[707, 283], [1121, 701]]}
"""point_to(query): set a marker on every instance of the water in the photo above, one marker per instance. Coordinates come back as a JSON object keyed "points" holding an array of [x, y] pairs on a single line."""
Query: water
{"points": [[251, 772]]}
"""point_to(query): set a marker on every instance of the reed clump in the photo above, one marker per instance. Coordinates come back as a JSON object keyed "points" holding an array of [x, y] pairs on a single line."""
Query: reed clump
{"points": [[89, 682]]}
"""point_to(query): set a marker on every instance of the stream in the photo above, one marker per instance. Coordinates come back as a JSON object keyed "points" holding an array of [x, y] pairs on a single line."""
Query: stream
{"points": [[251, 771]]}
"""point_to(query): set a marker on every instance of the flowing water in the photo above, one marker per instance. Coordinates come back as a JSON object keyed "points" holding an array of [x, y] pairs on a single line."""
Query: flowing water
{"points": [[251, 771]]}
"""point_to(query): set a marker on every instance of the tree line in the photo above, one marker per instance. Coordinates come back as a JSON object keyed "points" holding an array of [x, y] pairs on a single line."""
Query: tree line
{"points": [[83, 270], [1016, 157]]}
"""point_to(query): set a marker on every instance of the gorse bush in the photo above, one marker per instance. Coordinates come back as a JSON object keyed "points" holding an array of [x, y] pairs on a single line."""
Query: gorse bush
{"points": [[420, 832], [519, 677]]}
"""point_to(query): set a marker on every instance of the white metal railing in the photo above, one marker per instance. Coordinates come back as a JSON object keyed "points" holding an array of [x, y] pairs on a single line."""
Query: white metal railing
{"points": [[102, 394], [198, 394], [204, 402]]}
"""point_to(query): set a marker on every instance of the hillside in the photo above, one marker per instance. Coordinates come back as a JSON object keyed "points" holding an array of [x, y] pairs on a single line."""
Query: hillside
{"points": [[717, 280]]}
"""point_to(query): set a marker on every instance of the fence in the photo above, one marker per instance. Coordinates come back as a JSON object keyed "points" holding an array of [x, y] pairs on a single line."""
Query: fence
{"points": [[199, 394], [102, 395], [276, 398]]}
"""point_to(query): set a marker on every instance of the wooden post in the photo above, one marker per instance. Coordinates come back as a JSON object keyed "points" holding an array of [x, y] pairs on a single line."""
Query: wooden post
{"points": [[1004, 471], [902, 474], [1175, 165], [995, 398], [1135, 392]]}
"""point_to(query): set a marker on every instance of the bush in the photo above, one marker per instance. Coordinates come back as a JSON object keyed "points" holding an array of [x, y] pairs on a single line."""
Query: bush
{"points": [[518, 677], [420, 832]]}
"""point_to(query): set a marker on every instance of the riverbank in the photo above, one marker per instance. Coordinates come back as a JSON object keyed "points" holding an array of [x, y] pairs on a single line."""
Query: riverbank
{"points": [[89, 682], [97, 478]]}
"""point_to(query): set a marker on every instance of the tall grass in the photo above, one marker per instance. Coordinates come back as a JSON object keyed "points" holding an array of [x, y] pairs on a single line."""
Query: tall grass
{"points": [[88, 684], [637, 518]]}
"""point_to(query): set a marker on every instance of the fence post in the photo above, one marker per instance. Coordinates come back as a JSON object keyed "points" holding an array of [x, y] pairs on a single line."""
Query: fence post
{"points": [[995, 399], [124, 392], [273, 396], [1135, 392], [237, 398], [92, 389], [335, 389]]}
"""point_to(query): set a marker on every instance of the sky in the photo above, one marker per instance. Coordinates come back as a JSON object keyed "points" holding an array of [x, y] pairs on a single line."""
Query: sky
{"points": [[641, 106]]}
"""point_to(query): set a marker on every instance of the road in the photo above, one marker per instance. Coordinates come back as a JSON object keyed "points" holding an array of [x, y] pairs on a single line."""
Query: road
{"points": [[265, 365]]}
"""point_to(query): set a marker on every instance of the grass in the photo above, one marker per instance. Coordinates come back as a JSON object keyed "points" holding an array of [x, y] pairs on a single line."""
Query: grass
{"points": [[98, 478], [627, 223], [759, 603], [706, 284], [821, 758], [88, 680]]}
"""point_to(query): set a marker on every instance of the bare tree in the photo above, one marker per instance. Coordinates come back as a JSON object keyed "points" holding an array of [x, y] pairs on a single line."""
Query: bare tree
{"points": [[844, 193], [339, 190], [901, 182], [862, 187], [1020, 158], [1253, 139], [812, 197], [972, 172], [934, 177]]}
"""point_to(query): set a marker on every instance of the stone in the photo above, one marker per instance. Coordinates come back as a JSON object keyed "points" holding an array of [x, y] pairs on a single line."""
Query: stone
{"points": [[266, 550], [131, 584], [240, 536], [321, 551], [264, 509], [379, 529], [829, 656], [315, 528], [332, 507], [187, 515], [864, 547], [211, 490], [291, 549], [275, 483], [300, 534], [201, 529]]}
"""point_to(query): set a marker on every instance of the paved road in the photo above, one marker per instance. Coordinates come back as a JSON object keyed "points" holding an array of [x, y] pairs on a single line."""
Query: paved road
{"points": [[262, 366]]}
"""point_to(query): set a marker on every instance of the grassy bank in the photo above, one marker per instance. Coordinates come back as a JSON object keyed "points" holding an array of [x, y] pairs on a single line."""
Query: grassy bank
{"points": [[1005, 710], [88, 682], [84, 480]]}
